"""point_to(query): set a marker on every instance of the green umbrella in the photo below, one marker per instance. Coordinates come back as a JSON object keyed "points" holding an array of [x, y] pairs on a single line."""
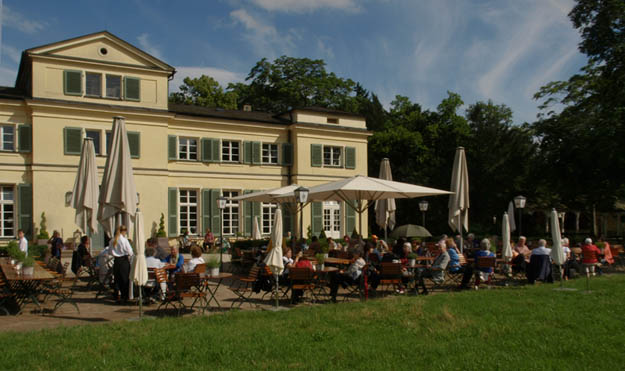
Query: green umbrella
{"points": [[410, 230]]}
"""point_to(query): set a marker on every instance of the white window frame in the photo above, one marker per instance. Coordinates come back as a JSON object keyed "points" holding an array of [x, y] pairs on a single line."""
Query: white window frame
{"points": [[187, 154], [98, 147], [333, 156], [268, 211], [185, 208], [227, 153], [7, 216], [230, 221], [269, 154], [14, 134]]}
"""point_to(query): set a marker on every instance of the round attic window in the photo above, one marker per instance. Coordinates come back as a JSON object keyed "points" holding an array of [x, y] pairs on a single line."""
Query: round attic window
{"points": [[103, 51]]}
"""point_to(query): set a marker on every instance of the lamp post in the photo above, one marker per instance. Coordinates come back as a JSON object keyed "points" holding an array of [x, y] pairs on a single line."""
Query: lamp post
{"points": [[301, 195], [221, 203], [423, 206], [519, 203]]}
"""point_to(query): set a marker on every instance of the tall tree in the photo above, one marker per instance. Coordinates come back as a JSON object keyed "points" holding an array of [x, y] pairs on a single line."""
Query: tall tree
{"points": [[204, 91]]}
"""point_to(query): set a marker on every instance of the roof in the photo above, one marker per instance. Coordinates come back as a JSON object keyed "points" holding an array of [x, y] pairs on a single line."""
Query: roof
{"points": [[327, 110], [9, 92], [256, 116]]}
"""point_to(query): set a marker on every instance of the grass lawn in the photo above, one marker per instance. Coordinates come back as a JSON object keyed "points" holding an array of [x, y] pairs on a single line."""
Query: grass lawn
{"points": [[515, 328]]}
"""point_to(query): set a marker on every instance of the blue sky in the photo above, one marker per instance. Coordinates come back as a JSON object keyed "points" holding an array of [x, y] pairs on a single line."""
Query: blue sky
{"points": [[502, 50]]}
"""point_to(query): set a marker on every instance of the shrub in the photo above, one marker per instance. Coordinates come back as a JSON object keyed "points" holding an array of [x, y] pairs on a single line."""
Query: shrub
{"points": [[43, 228], [213, 262], [161, 227]]}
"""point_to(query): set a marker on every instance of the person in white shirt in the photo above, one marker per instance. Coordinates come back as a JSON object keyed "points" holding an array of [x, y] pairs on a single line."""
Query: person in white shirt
{"points": [[542, 249], [121, 252], [152, 262], [196, 258], [23, 242]]}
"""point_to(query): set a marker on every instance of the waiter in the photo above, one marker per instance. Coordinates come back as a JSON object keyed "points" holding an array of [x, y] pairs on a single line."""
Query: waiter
{"points": [[121, 251]]}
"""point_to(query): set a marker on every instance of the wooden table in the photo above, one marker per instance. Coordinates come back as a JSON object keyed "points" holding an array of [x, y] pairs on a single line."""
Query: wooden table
{"points": [[24, 286], [211, 290]]}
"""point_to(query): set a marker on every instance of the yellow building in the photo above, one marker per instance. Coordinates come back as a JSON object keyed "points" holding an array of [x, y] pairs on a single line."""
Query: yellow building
{"points": [[184, 157]]}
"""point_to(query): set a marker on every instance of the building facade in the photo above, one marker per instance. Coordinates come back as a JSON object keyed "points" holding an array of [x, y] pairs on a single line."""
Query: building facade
{"points": [[184, 157]]}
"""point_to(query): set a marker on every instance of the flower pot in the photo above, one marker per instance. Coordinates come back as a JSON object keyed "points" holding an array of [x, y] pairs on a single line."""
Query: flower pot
{"points": [[28, 271], [18, 266], [326, 255], [13, 261], [320, 267], [214, 272], [412, 262]]}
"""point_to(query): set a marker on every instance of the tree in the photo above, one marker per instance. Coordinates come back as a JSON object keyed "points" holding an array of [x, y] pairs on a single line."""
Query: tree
{"points": [[206, 92]]}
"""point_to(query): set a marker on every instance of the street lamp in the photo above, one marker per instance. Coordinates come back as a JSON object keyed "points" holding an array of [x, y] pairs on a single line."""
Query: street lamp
{"points": [[519, 203], [301, 196], [423, 206], [221, 203]]}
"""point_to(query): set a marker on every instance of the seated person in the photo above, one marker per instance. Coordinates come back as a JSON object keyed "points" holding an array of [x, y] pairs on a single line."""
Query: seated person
{"points": [[571, 263], [436, 271], [521, 256], [288, 262], [152, 262], [590, 257], [454, 265], [209, 240], [300, 262], [350, 276], [608, 259], [174, 258], [81, 253], [315, 246], [484, 251], [104, 263], [196, 258], [542, 248]]}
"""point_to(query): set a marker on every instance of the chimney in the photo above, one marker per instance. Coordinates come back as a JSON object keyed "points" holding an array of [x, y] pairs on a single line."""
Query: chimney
{"points": [[247, 108]]}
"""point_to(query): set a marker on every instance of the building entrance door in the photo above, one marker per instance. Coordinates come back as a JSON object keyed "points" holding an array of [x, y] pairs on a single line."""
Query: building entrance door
{"points": [[332, 219]]}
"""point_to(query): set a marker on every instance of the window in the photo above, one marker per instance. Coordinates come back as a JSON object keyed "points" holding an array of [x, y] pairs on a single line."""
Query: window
{"points": [[231, 214], [7, 205], [229, 151], [93, 84], [113, 86], [95, 135], [268, 213], [270, 154], [7, 138], [188, 211], [331, 156], [332, 120], [187, 149]]}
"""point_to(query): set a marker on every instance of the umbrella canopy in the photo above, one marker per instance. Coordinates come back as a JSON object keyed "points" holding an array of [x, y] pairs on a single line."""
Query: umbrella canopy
{"points": [[256, 235], [269, 195], [557, 252], [274, 257], [385, 209], [459, 200], [118, 192], [139, 269], [506, 252], [410, 230], [511, 216], [85, 192]]}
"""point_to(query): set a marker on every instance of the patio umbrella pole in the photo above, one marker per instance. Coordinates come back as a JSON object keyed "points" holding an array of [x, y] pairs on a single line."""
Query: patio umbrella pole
{"points": [[277, 290], [461, 239]]}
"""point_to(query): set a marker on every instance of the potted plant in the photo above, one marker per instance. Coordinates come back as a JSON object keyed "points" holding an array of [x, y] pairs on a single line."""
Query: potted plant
{"points": [[325, 250], [28, 266], [412, 259], [213, 266], [321, 259], [15, 253]]}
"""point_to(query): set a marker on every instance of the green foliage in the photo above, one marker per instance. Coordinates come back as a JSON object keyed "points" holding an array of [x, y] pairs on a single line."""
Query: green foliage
{"points": [[28, 261], [412, 256], [322, 235], [213, 262], [206, 92], [14, 251], [309, 233], [161, 227], [43, 228], [37, 250], [321, 258]]}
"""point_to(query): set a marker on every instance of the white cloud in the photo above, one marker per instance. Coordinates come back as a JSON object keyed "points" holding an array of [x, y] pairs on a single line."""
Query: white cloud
{"points": [[13, 19], [222, 76], [263, 36], [148, 47], [7, 76], [11, 52], [306, 6], [324, 49], [552, 72]]}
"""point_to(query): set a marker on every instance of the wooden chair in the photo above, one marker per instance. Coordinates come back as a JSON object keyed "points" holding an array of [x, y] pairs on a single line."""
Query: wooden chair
{"points": [[200, 268], [243, 287], [390, 274], [485, 262], [62, 287], [302, 279], [186, 285], [236, 260], [357, 289]]}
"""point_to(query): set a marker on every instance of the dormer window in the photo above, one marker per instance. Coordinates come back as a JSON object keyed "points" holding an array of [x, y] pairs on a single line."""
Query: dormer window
{"points": [[93, 86], [114, 86]]}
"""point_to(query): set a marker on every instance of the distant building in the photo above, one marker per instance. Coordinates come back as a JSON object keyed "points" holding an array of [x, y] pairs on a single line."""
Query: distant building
{"points": [[184, 157]]}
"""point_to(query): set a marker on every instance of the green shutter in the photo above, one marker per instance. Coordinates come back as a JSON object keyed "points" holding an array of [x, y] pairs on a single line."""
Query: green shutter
{"points": [[247, 152], [171, 148], [206, 211], [315, 155], [72, 139], [287, 218], [25, 209], [256, 153], [216, 148], [287, 154], [214, 211], [206, 149], [350, 218], [316, 217], [24, 137], [72, 82], [350, 157], [134, 141], [172, 212], [132, 88]]}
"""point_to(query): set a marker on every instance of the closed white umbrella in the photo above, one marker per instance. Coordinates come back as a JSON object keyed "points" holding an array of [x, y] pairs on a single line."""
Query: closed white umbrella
{"points": [[459, 200], [118, 193], [511, 216], [139, 272], [557, 252], [274, 258], [256, 235], [385, 209], [85, 192], [506, 252]]}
